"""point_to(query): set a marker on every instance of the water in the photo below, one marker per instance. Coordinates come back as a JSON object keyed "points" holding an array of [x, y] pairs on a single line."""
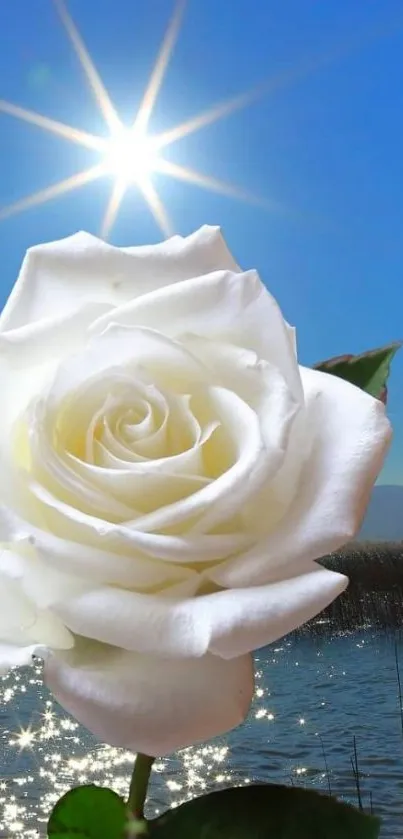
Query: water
{"points": [[314, 694]]}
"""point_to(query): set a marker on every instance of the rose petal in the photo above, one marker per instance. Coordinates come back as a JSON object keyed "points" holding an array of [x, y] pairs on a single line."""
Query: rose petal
{"points": [[150, 705], [120, 349], [257, 455], [62, 480], [151, 484], [256, 458], [29, 356], [71, 523], [154, 625], [227, 623], [130, 570], [49, 338], [246, 619], [231, 307], [61, 276], [351, 435], [22, 622]]}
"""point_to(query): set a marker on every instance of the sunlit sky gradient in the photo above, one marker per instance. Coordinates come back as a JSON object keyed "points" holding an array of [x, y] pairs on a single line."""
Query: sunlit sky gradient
{"points": [[321, 149]]}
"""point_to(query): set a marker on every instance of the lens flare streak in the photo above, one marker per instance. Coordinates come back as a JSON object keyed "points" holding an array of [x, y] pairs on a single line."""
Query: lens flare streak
{"points": [[160, 68], [104, 102], [103, 145], [74, 135], [112, 209], [148, 150], [54, 191]]}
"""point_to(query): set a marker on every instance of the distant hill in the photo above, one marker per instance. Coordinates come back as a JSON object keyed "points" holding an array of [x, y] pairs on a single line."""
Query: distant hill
{"points": [[384, 519]]}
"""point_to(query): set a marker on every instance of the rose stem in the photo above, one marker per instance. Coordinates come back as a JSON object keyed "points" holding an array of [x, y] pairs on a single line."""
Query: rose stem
{"points": [[139, 784]]}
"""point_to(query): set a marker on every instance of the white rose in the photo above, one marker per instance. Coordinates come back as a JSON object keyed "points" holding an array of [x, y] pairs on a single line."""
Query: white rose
{"points": [[168, 475]]}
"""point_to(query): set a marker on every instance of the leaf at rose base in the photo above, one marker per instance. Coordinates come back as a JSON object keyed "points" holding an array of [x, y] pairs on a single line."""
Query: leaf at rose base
{"points": [[68, 835], [369, 371], [264, 811], [88, 812]]}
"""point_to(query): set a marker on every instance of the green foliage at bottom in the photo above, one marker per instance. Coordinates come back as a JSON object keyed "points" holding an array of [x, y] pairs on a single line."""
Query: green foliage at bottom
{"points": [[264, 811], [68, 835], [261, 811], [88, 812]]}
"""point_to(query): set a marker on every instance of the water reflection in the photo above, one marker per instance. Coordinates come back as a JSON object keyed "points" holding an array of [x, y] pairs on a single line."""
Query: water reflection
{"points": [[312, 698], [315, 692]]}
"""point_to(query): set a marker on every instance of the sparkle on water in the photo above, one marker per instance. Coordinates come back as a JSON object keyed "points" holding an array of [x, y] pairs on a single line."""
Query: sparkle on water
{"points": [[44, 752], [62, 756]]}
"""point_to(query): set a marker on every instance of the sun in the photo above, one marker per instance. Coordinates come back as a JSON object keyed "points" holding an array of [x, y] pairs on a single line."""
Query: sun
{"points": [[130, 156]]}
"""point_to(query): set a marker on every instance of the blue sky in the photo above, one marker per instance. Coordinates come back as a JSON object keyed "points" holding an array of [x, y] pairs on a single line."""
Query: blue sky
{"points": [[325, 145]]}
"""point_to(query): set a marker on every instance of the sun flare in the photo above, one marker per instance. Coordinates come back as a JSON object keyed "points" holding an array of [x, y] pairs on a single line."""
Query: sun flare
{"points": [[130, 156]]}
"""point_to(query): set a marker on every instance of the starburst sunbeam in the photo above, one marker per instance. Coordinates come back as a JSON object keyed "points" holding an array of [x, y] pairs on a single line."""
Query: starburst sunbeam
{"points": [[157, 207], [74, 135], [53, 191], [271, 85], [139, 153], [209, 116], [102, 97], [191, 176], [160, 68], [112, 209]]}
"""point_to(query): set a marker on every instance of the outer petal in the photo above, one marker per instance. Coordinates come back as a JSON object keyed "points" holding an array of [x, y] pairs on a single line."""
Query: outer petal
{"points": [[351, 435], [29, 356], [48, 339], [63, 275], [150, 705], [132, 571], [228, 306], [226, 623], [151, 625], [249, 618], [25, 630]]}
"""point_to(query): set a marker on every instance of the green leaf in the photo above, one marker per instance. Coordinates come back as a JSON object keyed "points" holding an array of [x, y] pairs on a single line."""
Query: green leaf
{"points": [[369, 371], [88, 812], [68, 835], [265, 811]]}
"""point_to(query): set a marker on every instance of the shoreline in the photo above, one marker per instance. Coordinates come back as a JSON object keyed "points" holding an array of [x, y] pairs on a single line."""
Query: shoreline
{"points": [[374, 596]]}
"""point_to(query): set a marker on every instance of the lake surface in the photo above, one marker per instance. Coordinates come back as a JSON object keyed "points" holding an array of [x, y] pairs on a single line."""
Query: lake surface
{"points": [[314, 694]]}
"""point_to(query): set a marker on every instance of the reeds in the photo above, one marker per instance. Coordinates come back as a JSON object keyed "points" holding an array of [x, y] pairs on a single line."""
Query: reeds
{"points": [[375, 593]]}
